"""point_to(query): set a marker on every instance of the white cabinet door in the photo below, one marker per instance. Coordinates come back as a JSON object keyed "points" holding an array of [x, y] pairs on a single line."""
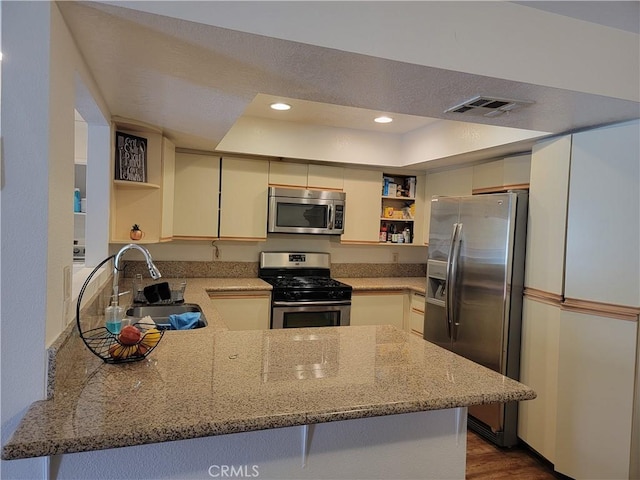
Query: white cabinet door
{"points": [[197, 185], [243, 200], [596, 371], [548, 196], [243, 310], [450, 182], [378, 308], [603, 245], [539, 370], [362, 215]]}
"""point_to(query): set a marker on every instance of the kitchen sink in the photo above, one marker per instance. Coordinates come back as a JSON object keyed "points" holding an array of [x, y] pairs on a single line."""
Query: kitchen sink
{"points": [[160, 313]]}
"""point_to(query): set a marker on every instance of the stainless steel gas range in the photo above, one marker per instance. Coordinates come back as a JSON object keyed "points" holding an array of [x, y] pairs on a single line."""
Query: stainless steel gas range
{"points": [[304, 294]]}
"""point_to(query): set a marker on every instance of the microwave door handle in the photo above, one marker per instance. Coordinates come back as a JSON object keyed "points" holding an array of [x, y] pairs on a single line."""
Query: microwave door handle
{"points": [[331, 217]]}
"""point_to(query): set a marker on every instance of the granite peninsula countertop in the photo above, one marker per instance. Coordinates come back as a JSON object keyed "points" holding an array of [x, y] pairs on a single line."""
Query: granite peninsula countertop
{"points": [[213, 381]]}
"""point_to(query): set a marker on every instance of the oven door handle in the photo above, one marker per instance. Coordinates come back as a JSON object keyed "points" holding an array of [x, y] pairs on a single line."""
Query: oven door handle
{"points": [[312, 303]]}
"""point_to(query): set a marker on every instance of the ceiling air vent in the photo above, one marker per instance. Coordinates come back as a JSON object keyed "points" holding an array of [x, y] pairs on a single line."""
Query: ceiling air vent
{"points": [[488, 106]]}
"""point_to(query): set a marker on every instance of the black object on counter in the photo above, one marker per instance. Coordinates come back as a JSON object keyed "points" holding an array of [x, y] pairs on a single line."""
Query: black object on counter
{"points": [[157, 292]]}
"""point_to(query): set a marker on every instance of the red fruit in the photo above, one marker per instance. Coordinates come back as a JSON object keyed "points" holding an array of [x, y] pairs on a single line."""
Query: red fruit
{"points": [[130, 335]]}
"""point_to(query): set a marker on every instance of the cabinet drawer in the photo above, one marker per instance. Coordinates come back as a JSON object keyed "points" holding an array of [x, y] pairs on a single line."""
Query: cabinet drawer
{"points": [[416, 314]]}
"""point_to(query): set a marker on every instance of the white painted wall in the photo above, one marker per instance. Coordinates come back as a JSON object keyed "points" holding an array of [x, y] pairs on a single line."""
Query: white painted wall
{"points": [[25, 187], [447, 138], [543, 48], [425, 445], [38, 85], [258, 136]]}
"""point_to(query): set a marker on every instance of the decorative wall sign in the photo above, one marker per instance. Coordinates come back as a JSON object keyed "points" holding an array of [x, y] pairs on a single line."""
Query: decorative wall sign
{"points": [[131, 158]]}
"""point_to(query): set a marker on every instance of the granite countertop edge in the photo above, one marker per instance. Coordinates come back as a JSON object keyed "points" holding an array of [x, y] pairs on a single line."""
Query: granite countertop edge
{"points": [[40, 447]]}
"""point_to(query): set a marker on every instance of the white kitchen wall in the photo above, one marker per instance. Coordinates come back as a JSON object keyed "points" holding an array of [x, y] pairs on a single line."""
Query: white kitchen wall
{"points": [[38, 84]]}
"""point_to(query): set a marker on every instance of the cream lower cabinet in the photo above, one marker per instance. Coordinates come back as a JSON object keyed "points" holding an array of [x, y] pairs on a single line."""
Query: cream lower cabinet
{"points": [[596, 370], [243, 199], [377, 307], [196, 196], [362, 216], [243, 310], [416, 313], [539, 370]]}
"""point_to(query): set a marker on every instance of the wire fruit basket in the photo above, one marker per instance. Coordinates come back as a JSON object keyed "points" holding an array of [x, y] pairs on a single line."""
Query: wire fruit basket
{"points": [[117, 348], [113, 349]]}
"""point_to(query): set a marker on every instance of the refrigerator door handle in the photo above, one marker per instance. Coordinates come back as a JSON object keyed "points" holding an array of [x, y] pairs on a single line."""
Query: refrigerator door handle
{"points": [[454, 273], [448, 298]]}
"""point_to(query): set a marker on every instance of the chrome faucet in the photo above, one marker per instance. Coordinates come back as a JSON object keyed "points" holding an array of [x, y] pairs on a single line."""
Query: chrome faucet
{"points": [[153, 270]]}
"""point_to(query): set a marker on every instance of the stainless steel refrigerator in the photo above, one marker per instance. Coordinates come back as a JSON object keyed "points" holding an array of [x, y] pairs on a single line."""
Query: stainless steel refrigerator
{"points": [[475, 276]]}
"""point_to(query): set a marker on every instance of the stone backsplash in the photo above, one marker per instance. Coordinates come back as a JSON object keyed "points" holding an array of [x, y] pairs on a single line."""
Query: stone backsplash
{"points": [[173, 269]]}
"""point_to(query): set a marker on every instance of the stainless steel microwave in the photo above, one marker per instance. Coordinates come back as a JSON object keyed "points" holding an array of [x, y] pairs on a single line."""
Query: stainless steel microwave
{"points": [[293, 210]]}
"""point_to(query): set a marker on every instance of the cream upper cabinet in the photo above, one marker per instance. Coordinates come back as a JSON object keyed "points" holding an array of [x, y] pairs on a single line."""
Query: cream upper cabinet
{"points": [[548, 196], [325, 176], [243, 199], [168, 182], [196, 197], [362, 216], [603, 244], [516, 171], [148, 204], [450, 182], [302, 175], [287, 174], [500, 175]]}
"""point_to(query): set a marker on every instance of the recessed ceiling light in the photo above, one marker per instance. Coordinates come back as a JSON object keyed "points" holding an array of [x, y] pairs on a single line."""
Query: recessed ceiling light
{"points": [[383, 119], [280, 106]]}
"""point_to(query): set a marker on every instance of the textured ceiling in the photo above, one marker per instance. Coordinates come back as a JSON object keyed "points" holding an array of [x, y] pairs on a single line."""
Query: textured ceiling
{"points": [[194, 81]]}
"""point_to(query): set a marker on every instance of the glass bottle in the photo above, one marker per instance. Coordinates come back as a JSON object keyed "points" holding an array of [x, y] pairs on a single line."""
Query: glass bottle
{"points": [[113, 315]]}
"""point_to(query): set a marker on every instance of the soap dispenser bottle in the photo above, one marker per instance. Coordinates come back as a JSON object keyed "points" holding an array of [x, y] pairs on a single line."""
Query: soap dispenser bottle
{"points": [[113, 315], [76, 200]]}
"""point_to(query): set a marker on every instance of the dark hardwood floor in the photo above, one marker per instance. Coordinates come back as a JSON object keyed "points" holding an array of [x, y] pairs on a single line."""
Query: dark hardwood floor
{"points": [[485, 461]]}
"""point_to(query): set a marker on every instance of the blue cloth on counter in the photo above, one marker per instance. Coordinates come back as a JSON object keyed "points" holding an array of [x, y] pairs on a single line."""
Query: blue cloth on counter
{"points": [[184, 321]]}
